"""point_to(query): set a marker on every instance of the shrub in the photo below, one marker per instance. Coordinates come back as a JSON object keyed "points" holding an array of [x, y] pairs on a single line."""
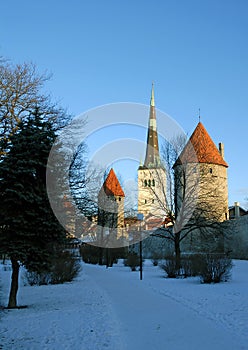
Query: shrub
{"points": [[186, 267], [155, 262], [111, 255], [103, 256], [132, 260], [189, 266], [33, 278], [64, 268], [91, 254], [155, 257], [169, 267], [212, 268], [215, 268], [196, 261]]}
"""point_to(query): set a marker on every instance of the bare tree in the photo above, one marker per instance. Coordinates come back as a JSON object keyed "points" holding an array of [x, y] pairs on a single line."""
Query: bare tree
{"points": [[20, 93]]}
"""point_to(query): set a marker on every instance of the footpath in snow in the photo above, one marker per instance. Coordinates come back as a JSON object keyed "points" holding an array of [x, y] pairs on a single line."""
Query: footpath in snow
{"points": [[112, 309], [58, 317], [151, 318]]}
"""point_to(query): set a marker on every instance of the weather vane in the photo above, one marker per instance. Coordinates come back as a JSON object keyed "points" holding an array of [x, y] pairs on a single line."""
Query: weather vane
{"points": [[199, 114]]}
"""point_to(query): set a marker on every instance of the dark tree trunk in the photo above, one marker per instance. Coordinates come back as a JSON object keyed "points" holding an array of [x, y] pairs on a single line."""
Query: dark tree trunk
{"points": [[14, 284], [177, 252]]}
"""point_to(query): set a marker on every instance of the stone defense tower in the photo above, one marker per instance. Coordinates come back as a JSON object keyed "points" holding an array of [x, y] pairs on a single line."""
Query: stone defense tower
{"points": [[111, 208], [205, 170], [151, 175]]}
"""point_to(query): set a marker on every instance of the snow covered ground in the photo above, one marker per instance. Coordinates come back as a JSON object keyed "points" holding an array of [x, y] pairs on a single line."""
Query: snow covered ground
{"points": [[112, 309]]}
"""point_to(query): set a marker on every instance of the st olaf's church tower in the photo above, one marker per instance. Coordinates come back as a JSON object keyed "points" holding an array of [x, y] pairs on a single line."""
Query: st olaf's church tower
{"points": [[152, 175]]}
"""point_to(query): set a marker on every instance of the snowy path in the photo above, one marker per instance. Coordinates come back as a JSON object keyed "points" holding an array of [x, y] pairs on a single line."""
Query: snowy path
{"points": [[112, 309], [150, 320], [59, 317]]}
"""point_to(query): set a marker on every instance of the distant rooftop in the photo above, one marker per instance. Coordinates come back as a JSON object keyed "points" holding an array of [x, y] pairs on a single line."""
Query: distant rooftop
{"points": [[112, 186]]}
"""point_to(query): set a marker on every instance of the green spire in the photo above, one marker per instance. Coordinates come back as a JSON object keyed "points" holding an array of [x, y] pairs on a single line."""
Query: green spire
{"points": [[152, 103]]}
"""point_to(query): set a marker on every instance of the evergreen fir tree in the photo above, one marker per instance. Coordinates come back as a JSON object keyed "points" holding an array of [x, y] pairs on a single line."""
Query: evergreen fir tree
{"points": [[29, 230]]}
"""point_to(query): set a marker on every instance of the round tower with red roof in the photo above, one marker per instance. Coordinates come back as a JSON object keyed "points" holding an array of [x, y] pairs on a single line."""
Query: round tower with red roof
{"points": [[111, 208], [201, 177]]}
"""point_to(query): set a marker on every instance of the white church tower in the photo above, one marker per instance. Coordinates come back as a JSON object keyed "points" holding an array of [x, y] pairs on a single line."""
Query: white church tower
{"points": [[152, 175]]}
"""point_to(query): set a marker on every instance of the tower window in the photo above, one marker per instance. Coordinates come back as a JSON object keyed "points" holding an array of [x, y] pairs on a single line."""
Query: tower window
{"points": [[153, 201], [119, 199], [145, 183], [153, 182], [145, 201], [211, 171], [149, 183]]}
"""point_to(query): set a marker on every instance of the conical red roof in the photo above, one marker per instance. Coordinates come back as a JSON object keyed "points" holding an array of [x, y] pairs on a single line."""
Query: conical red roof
{"points": [[201, 148], [112, 186]]}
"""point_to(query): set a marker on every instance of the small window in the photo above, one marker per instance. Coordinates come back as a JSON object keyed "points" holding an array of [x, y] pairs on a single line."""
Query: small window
{"points": [[145, 183], [153, 201], [211, 171], [149, 183], [153, 182], [119, 199], [145, 201]]}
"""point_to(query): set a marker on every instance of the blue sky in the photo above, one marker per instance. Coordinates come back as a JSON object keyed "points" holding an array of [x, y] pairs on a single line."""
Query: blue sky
{"points": [[102, 52]]}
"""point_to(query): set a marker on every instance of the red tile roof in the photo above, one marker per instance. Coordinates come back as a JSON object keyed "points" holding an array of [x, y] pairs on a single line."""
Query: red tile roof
{"points": [[112, 186], [201, 148]]}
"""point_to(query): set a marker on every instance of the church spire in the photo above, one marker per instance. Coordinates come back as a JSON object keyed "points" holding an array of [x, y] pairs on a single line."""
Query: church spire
{"points": [[152, 159], [152, 102]]}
